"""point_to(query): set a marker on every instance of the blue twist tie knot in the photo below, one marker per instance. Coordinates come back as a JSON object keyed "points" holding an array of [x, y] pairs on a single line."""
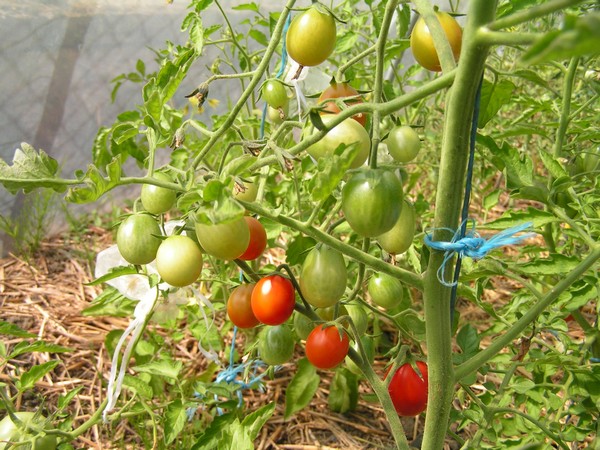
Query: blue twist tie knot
{"points": [[473, 245]]}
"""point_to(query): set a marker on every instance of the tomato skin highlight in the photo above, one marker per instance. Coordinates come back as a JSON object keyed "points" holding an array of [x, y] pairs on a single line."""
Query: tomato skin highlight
{"points": [[311, 36], [227, 240], [276, 345], [422, 46], [258, 239], [156, 199], [372, 201], [136, 238], [239, 308], [273, 299], [408, 390], [325, 347], [339, 90], [179, 260], [323, 277]]}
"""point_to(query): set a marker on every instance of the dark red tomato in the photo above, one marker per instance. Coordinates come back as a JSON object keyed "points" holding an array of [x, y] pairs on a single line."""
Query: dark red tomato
{"points": [[327, 346], [342, 90], [408, 390], [258, 239], [421, 41], [239, 308], [273, 299]]}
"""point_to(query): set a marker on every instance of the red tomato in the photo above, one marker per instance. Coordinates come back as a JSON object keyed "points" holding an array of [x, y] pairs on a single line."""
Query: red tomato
{"points": [[273, 299], [239, 308], [326, 346], [258, 239], [408, 390]]}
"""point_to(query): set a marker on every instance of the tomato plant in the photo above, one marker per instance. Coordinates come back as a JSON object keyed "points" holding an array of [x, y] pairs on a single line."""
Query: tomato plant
{"points": [[311, 36], [327, 346], [323, 277], [276, 344], [385, 290], [239, 308], [371, 201], [179, 260], [157, 199], [19, 434], [341, 90], [227, 240], [349, 132], [403, 143], [421, 42], [137, 238], [408, 389], [258, 239], [273, 299], [400, 237]]}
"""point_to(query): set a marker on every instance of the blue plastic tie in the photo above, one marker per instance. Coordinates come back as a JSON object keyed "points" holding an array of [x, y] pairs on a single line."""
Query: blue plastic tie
{"points": [[473, 245]]}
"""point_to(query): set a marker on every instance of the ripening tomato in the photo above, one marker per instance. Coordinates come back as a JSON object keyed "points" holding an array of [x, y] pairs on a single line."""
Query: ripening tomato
{"points": [[21, 436], [276, 344], [371, 201], [323, 277], [137, 238], [226, 240], [239, 308], [385, 290], [341, 90], [400, 237], [273, 299], [408, 390], [179, 260], [311, 36], [327, 346], [156, 199], [403, 143], [258, 239], [421, 42]]}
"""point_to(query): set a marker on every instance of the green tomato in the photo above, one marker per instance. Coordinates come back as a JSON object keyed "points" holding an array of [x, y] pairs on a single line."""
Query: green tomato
{"points": [[246, 191], [137, 238], [10, 431], [372, 201], [311, 36], [273, 91], [156, 199], [179, 260], [276, 345], [348, 132], [385, 290], [323, 276], [277, 115], [403, 143], [227, 240], [400, 237], [359, 316]]}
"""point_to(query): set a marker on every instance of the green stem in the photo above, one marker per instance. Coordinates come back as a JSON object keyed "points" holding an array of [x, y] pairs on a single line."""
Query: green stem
{"points": [[340, 73], [490, 38], [454, 156], [531, 315], [532, 13]]}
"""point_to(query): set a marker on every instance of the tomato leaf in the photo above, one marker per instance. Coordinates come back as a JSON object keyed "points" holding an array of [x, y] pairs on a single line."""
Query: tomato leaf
{"points": [[331, 170], [538, 217], [302, 388], [10, 329], [555, 264], [298, 248], [343, 392], [554, 167], [175, 418], [164, 368], [256, 420], [493, 97], [95, 184], [110, 303], [38, 346], [29, 378], [468, 341], [517, 166]]}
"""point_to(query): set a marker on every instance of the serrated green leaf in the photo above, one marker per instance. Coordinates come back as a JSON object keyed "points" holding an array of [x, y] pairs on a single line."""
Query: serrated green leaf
{"points": [[137, 386], [197, 34], [247, 7], [259, 37], [164, 368], [517, 166], [110, 303], [174, 420], [255, 421], [64, 400], [302, 388], [554, 167], [410, 320], [38, 346], [31, 170], [493, 97], [95, 184], [468, 341], [581, 294], [29, 378], [555, 264], [538, 217], [331, 170], [10, 329], [113, 273], [219, 206]]}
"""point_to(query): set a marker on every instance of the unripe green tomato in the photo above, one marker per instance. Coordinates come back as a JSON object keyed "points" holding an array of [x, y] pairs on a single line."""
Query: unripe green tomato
{"points": [[277, 116], [403, 143], [385, 290], [274, 93], [328, 314], [323, 277], [179, 260], [247, 192], [10, 431], [400, 237], [359, 317], [348, 132], [311, 36], [227, 240], [156, 199], [276, 344], [137, 238]]}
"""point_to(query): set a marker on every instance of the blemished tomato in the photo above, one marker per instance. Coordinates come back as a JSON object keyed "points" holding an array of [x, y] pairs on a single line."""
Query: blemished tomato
{"points": [[371, 201], [327, 346], [258, 239], [276, 344], [246, 190], [341, 90], [422, 46], [348, 132], [403, 143], [10, 431], [156, 199], [400, 237], [311, 36], [273, 299], [137, 238], [274, 93], [323, 276], [179, 260], [408, 390], [227, 240], [385, 290], [239, 308]]}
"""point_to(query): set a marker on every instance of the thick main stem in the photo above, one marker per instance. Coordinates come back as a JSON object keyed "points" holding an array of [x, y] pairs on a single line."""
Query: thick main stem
{"points": [[454, 156]]}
